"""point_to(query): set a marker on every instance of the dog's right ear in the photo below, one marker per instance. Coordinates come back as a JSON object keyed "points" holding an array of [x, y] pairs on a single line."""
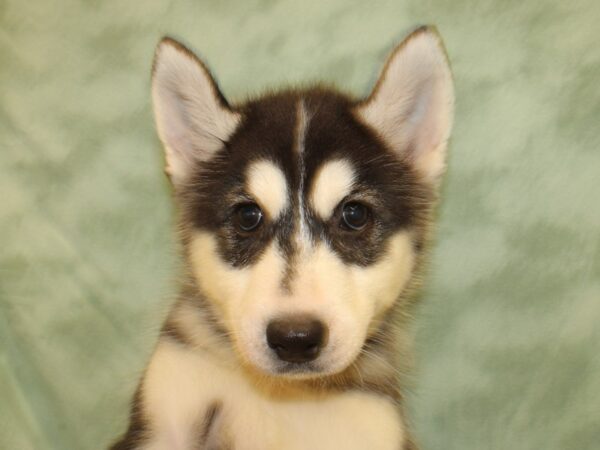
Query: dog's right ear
{"points": [[192, 117]]}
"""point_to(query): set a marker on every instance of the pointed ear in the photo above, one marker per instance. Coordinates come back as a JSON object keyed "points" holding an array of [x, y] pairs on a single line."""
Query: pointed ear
{"points": [[411, 106], [192, 117]]}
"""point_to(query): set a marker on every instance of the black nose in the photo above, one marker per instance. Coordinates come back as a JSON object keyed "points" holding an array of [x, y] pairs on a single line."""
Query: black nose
{"points": [[296, 339]]}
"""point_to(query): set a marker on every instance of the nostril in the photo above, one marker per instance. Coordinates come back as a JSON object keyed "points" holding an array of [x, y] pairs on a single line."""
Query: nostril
{"points": [[297, 338]]}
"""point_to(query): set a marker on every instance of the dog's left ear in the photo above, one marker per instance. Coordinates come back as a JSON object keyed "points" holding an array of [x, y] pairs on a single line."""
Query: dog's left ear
{"points": [[411, 106]]}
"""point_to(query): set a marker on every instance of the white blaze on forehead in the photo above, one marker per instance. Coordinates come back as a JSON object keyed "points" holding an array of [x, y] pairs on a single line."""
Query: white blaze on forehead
{"points": [[266, 183], [333, 182], [302, 120]]}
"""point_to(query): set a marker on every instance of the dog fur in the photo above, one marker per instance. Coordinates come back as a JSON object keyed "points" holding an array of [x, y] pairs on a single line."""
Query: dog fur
{"points": [[299, 158]]}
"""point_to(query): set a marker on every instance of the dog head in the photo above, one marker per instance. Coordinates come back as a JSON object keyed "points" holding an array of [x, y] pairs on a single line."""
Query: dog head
{"points": [[305, 210]]}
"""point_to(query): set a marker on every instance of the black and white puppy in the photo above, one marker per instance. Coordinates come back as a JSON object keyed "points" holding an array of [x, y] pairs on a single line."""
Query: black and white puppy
{"points": [[304, 216]]}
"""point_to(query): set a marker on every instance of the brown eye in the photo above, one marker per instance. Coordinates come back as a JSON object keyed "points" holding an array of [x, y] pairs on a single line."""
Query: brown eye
{"points": [[355, 216], [249, 217]]}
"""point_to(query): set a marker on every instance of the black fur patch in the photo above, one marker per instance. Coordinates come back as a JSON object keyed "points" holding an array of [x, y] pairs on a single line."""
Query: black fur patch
{"points": [[170, 330], [384, 182], [212, 431]]}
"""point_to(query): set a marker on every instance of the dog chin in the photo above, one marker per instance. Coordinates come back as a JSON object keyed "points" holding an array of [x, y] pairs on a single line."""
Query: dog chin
{"points": [[298, 371], [301, 371]]}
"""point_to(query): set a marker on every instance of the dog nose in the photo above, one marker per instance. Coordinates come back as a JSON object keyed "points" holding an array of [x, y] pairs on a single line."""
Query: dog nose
{"points": [[296, 339]]}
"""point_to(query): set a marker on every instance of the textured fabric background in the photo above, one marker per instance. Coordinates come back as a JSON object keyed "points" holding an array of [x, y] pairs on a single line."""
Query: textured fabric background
{"points": [[509, 332]]}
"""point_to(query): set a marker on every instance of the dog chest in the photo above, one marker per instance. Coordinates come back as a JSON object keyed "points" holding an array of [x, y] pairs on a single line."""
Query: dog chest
{"points": [[193, 403]]}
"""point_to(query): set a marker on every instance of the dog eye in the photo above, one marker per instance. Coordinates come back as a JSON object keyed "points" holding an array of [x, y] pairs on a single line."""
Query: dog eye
{"points": [[355, 216], [248, 217]]}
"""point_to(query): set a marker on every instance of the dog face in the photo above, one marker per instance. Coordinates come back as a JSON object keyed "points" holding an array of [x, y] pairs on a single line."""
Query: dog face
{"points": [[304, 211]]}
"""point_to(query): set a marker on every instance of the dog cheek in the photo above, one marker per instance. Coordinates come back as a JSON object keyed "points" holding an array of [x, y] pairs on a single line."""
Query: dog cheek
{"points": [[383, 282], [240, 296], [223, 285], [258, 303], [370, 292]]}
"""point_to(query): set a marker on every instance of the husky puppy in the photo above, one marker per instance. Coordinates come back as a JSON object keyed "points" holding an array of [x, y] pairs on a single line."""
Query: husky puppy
{"points": [[303, 220]]}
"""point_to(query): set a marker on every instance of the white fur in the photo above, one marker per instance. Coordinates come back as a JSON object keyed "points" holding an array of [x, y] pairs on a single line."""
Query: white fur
{"points": [[180, 384], [302, 236], [412, 104], [267, 185], [191, 122], [332, 183]]}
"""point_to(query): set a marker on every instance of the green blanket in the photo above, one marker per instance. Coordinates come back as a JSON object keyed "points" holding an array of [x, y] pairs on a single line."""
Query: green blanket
{"points": [[508, 337]]}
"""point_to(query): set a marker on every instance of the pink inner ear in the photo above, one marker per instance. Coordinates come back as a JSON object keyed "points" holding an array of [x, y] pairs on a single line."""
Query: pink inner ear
{"points": [[425, 138], [175, 135], [174, 127], [424, 121]]}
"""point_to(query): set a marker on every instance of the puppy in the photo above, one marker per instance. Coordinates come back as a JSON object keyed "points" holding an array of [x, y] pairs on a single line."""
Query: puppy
{"points": [[304, 216]]}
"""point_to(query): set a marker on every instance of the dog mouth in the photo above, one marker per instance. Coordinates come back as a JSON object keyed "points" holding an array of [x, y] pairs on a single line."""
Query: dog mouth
{"points": [[268, 363], [326, 364], [298, 370]]}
